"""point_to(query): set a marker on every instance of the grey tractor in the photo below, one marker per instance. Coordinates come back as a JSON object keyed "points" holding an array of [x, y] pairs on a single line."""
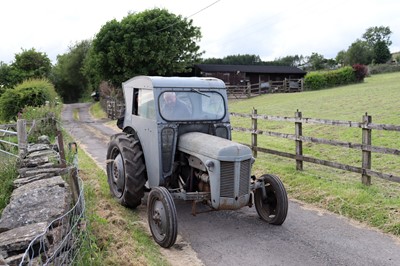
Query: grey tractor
{"points": [[176, 144]]}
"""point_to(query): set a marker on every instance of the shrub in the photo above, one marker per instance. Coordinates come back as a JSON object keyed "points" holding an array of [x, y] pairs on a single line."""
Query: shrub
{"points": [[35, 92], [315, 81], [360, 72], [43, 115], [8, 173], [9, 105], [327, 79], [347, 75]]}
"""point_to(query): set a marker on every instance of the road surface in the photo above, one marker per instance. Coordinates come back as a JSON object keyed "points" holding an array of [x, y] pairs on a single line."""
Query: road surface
{"points": [[309, 236]]}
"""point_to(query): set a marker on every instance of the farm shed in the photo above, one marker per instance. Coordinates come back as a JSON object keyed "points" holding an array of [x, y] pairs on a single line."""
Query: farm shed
{"points": [[253, 74]]}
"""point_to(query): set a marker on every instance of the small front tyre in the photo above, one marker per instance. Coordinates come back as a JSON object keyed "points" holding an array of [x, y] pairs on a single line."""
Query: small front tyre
{"points": [[273, 206], [162, 217]]}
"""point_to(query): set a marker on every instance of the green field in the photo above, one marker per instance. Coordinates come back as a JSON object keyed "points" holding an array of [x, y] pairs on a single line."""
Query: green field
{"points": [[336, 190]]}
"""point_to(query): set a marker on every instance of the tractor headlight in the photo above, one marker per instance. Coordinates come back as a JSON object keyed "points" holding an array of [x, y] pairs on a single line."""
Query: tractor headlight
{"points": [[210, 165]]}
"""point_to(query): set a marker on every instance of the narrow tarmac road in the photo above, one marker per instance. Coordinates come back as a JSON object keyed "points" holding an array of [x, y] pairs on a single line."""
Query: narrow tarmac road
{"points": [[309, 236]]}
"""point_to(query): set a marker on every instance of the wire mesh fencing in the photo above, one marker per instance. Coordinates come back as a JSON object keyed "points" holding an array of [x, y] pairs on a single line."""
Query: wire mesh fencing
{"points": [[60, 243]]}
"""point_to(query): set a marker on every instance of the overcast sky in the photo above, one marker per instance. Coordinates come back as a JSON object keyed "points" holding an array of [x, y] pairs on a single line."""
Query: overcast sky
{"points": [[270, 29]]}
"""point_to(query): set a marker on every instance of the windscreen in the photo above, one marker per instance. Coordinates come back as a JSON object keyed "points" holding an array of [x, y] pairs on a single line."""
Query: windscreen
{"points": [[191, 105]]}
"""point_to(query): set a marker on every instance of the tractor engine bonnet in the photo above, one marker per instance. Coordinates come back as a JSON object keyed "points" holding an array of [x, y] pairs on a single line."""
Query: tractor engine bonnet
{"points": [[213, 147]]}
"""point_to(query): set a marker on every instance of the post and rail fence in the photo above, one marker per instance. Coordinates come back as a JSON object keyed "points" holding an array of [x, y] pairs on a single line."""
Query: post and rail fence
{"points": [[255, 89], [114, 108], [365, 146]]}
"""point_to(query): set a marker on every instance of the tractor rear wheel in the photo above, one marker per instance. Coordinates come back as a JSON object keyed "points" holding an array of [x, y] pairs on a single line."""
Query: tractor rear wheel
{"points": [[274, 206], [162, 217], [126, 170]]}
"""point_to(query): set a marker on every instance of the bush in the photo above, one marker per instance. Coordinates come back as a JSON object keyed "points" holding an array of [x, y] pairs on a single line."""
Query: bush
{"points": [[347, 75], [35, 92], [315, 81], [327, 79], [45, 123], [8, 173], [360, 71]]}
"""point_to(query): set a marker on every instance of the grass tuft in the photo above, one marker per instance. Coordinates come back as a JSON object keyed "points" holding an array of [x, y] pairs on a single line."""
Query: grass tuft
{"points": [[8, 173]]}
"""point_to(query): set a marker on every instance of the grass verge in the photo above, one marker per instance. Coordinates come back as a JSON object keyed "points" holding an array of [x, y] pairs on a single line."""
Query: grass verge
{"points": [[115, 234], [96, 111], [8, 173]]}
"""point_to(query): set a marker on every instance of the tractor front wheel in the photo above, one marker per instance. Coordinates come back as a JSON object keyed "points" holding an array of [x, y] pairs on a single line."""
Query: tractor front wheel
{"points": [[162, 218], [271, 206]]}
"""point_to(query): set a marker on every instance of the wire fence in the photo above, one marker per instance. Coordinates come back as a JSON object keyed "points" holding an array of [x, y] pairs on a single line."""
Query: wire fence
{"points": [[62, 239], [5, 132], [60, 243]]}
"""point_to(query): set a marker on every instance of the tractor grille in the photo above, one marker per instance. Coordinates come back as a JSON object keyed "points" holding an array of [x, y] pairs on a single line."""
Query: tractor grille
{"points": [[244, 177], [228, 177]]}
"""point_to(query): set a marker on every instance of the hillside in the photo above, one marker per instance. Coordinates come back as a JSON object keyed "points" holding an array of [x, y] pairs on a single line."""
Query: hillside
{"points": [[378, 95], [336, 190]]}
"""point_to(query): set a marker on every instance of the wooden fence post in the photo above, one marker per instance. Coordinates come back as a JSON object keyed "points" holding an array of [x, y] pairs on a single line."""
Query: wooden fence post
{"points": [[61, 149], [22, 138], [299, 143], [254, 134], [366, 155], [302, 84]]}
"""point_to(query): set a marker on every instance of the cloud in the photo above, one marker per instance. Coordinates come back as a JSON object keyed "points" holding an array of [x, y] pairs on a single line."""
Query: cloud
{"points": [[270, 29]]}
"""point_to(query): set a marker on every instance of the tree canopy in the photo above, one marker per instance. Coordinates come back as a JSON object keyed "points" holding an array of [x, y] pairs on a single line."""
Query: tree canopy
{"points": [[381, 52], [153, 42], [33, 64], [373, 35], [359, 52], [68, 75], [27, 65], [372, 48], [245, 59]]}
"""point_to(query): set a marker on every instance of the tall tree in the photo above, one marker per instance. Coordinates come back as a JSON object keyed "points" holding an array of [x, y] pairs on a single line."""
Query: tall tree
{"points": [[316, 61], [245, 59], [381, 53], [239, 59], [359, 52], [9, 76], [153, 42], [68, 76], [32, 64], [291, 60], [342, 58], [375, 34]]}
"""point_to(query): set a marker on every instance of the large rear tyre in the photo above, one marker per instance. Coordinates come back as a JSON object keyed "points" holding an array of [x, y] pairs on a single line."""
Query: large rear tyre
{"points": [[126, 170], [162, 217], [274, 207]]}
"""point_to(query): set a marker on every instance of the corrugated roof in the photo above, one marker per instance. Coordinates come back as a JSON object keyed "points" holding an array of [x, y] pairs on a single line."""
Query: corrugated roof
{"points": [[250, 69]]}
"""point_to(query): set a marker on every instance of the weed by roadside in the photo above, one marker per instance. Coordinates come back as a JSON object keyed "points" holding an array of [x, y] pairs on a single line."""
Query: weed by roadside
{"points": [[8, 173]]}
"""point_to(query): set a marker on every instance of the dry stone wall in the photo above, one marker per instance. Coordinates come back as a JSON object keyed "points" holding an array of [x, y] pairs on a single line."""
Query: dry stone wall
{"points": [[40, 196]]}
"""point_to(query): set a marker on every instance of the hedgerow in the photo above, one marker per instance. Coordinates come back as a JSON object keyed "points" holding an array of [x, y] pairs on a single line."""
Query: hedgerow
{"points": [[332, 78], [34, 92]]}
